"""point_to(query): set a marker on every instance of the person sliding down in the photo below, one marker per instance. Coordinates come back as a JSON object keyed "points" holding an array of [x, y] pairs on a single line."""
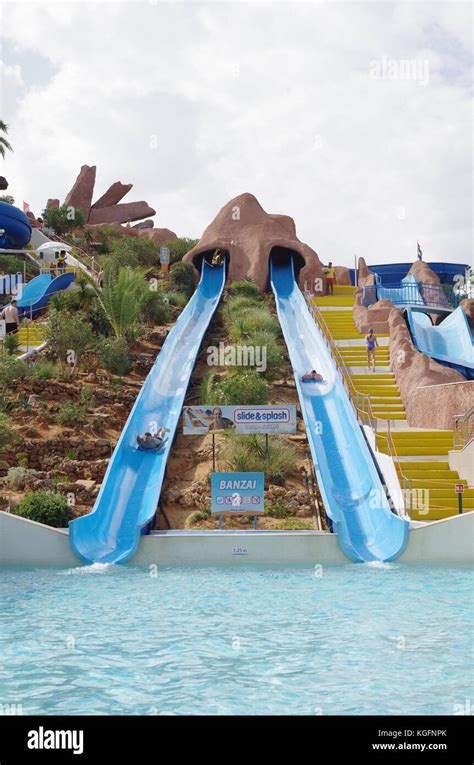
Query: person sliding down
{"points": [[312, 376], [217, 258], [151, 441]]}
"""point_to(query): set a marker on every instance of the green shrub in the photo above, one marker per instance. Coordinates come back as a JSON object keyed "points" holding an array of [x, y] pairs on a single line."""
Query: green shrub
{"points": [[155, 309], [247, 454], [47, 507], [207, 395], [87, 398], [98, 319], [43, 370], [11, 343], [64, 218], [12, 371], [177, 299], [68, 332], [18, 477], [8, 435], [182, 278], [245, 288], [70, 414], [240, 387], [274, 355], [179, 247], [238, 306], [294, 524], [276, 510], [114, 355], [198, 516], [134, 252], [255, 320]]}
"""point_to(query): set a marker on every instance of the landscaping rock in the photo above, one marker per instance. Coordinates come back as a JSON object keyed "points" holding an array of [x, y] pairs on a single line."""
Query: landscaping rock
{"points": [[129, 211], [81, 193], [114, 194]]}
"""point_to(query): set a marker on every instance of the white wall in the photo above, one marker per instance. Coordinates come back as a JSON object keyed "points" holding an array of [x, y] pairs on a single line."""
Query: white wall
{"points": [[27, 543], [462, 460]]}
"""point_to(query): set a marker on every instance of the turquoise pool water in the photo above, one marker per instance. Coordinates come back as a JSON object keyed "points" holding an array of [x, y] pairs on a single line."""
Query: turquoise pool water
{"points": [[373, 639]]}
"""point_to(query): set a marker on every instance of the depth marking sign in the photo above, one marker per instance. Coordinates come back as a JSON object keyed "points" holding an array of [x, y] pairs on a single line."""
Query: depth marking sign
{"points": [[199, 420]]}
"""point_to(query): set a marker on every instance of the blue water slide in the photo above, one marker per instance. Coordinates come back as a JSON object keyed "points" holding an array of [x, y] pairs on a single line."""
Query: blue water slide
{"points": [[15, 228], [407, 293], [131, 488], [36, 293], [348, 479], [449, 342]]}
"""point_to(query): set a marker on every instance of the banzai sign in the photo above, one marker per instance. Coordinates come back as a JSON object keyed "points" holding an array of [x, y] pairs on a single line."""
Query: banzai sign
{"points": [[237, 493]]}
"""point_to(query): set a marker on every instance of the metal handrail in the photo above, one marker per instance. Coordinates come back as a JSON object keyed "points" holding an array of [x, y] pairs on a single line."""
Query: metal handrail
{"points": [[463, 428], [360, 401], [365, 415]]}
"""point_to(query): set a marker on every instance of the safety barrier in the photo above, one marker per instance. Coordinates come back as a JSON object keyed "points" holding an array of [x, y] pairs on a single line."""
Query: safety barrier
{"points": [[413, 294], [463, 428]]}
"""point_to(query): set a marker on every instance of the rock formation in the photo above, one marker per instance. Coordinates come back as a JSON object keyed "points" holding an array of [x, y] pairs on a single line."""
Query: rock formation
{"points": [[157, 235], [374, 317], [256, 234], [80, 195], [121, 213], [432, 393], [365, 278], [343, 275], [114, 194], [108, 209], [468, 307]]}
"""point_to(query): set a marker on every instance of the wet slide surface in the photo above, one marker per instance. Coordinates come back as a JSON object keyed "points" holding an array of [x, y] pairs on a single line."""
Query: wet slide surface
{"points": [[129, 494], [450, 342], [352, 491]]}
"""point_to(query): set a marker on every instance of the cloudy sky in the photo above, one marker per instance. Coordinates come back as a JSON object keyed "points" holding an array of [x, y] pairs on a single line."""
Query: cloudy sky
{"points": [[353, 118]]}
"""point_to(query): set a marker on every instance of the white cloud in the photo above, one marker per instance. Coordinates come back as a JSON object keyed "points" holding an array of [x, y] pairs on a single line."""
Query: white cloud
{"points": [[275, 99]]}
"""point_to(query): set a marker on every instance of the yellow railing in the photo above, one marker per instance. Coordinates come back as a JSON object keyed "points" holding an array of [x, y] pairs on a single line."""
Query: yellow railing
{"points": [[364, 410]]}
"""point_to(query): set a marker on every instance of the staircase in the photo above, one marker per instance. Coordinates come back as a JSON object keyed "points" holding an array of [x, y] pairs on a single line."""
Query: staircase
{"points": [[420, 456]]}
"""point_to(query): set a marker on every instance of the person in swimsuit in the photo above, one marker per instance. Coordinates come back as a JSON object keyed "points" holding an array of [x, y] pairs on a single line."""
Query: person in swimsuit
{"points": [[217, 258], [371, 343], [330, 274], [313, 375], [151, 441]]}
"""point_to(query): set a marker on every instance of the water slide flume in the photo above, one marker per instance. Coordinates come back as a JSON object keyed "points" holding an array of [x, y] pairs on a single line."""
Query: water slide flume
{"points": [[131, 488], [37, 293], [350, 485], [450, 342], [15, 228]]}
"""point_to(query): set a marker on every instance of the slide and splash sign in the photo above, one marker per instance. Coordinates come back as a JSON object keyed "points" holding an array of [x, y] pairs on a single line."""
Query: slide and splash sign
{"points": [[278, 419]]}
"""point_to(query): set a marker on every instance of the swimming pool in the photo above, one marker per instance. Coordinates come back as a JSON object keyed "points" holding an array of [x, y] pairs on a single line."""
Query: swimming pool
{"points": [[355, 639]]}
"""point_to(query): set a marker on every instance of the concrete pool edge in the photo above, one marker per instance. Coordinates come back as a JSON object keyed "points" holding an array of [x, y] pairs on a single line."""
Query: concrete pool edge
{"points": [[445, 542]]}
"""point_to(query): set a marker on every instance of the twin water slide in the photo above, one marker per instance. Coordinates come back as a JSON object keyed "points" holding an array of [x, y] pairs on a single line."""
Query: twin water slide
{"points": [[450, 342], [15, 228], [131, 488], [348, 479]]}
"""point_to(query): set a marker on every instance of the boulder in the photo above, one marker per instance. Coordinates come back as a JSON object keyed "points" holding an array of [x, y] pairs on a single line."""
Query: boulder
{"points": [[256, 234], [158, 235], [343, 275], [144, 224], [468, 307], [52, 203], [80, 196], [374, 317], [114, 194], [365, 278], [122, 213], [125, 230], [3, 183]]}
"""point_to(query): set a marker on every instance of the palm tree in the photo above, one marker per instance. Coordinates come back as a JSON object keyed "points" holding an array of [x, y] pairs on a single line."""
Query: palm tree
{"points": [[122, 297], [3, 141]]}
